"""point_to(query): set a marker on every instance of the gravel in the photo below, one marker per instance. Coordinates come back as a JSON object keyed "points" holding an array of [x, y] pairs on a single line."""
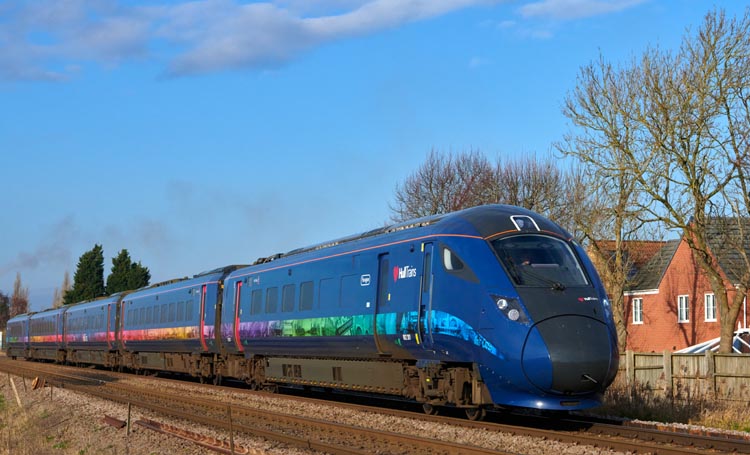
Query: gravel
{"points": [[58, 421]]}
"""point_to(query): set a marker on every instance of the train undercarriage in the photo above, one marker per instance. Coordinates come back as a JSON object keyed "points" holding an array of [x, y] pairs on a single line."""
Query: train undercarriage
{"points": [[434, 384]]}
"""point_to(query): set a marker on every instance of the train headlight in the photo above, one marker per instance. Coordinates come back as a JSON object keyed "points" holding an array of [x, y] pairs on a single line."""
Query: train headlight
{"points": [[511, 308]]}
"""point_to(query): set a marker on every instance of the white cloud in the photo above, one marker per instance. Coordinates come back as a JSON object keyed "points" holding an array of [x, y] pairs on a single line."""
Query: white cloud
{"points": [[52, 39], [574, 9], [40, 39]]}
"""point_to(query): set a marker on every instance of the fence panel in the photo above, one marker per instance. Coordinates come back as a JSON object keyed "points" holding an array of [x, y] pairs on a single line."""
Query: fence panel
{"points": [[723, 376]]}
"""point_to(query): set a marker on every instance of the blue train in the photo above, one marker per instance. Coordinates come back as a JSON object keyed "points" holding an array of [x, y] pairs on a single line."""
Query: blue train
{"points": [[493, 306]]}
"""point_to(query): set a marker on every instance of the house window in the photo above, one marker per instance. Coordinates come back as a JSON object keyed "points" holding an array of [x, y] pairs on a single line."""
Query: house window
{"points": [[638, 311], [710, 308], [682, 309]]}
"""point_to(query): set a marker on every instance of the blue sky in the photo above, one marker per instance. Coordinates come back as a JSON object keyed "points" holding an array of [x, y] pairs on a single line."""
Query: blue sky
{"points": [[213, 132]]}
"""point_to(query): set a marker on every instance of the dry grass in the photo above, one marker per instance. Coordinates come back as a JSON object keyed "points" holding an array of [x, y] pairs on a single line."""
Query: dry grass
{"points": [[42, 427], [687, 406]]}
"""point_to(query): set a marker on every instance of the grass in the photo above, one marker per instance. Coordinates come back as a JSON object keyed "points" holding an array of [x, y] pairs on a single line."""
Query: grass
{"points": [[639, 402]]}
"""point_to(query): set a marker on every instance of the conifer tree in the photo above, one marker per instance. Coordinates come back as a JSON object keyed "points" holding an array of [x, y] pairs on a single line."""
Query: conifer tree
{"points": [[126, 275], [4, 311], [88, 281]]}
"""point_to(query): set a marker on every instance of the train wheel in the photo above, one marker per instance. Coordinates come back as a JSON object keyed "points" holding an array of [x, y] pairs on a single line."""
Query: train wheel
{"points": [[430, 410], [217, 379], [475, 413]]}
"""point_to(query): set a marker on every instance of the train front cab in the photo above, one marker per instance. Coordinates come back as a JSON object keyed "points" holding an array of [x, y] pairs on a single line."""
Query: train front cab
{"points": [[565, 350]]}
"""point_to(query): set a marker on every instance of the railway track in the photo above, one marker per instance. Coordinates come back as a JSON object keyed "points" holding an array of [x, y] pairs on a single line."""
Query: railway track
{"points": [[338, 438]]}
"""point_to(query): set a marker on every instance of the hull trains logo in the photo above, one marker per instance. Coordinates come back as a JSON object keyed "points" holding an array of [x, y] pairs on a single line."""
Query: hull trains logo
{"points": [[399, 273]]}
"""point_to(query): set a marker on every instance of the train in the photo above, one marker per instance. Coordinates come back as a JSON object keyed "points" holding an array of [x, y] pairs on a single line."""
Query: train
{"points": [[491, 307]]}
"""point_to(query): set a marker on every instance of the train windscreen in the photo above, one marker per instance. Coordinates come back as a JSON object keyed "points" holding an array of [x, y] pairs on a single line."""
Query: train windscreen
{"points": [[540, 261]]}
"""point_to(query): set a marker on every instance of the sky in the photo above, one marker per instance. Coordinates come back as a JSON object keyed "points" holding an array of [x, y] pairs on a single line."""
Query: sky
{"points": [[214, 132]]}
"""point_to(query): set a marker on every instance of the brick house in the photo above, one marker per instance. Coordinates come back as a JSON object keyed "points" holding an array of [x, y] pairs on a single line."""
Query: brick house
{"points": [[669, 304]]}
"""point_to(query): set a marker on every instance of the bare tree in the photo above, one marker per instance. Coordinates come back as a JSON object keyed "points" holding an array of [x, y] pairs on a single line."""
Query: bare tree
{"points": [[444, 183], [449, 182], [19, 301], [57, 297], [674, 128], [602, 109], [538, 184]]}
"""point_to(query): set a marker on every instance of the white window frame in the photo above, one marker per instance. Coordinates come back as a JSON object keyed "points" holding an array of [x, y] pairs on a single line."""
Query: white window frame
{"points": [[638, 310], [712, 298], [683, 309]]}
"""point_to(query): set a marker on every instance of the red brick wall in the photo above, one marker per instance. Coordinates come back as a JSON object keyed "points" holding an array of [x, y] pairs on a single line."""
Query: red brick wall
{"points": [[660, 330]]}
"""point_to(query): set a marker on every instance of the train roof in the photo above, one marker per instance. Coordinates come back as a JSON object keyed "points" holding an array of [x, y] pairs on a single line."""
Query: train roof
{"points": [[485, 221]]}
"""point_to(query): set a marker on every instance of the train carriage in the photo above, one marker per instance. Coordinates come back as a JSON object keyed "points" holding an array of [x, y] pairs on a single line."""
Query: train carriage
{"points": [[90, 332], [17, 336], [436, 310], [170, 326], [46, 335]]}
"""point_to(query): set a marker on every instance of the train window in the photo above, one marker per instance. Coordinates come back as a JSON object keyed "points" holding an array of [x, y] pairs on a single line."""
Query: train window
{"points": [[164, 313], [287, 298], [426, 278], [455, 266], [171, 312], [328, 293], [149, 315], [180, 311], [256, 301], [156, 315], [451, 261], [141, 316], [188, 311], [540, 261], [272, 299], [306, 296]]}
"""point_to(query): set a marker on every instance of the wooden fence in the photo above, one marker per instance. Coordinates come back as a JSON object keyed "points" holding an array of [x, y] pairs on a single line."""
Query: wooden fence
{"points": [[721, 376]]}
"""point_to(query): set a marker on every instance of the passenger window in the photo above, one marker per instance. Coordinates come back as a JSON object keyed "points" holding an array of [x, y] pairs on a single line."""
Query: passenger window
{"points": [[287, 298], [306, 296], [272, 299], [256, 302]]}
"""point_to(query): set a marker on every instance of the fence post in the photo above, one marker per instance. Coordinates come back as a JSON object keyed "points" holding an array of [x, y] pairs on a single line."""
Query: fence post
{"points": [[630, 367], [711, 371], [667, 362]]}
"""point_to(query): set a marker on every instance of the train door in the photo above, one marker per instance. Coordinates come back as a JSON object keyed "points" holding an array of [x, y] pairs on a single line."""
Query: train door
{"points": [[382, 304], [206, 315], [424, 312], [111, 326]]}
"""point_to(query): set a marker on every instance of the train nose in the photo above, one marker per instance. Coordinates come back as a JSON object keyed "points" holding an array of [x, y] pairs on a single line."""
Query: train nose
{"points": [[568, 354]]}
